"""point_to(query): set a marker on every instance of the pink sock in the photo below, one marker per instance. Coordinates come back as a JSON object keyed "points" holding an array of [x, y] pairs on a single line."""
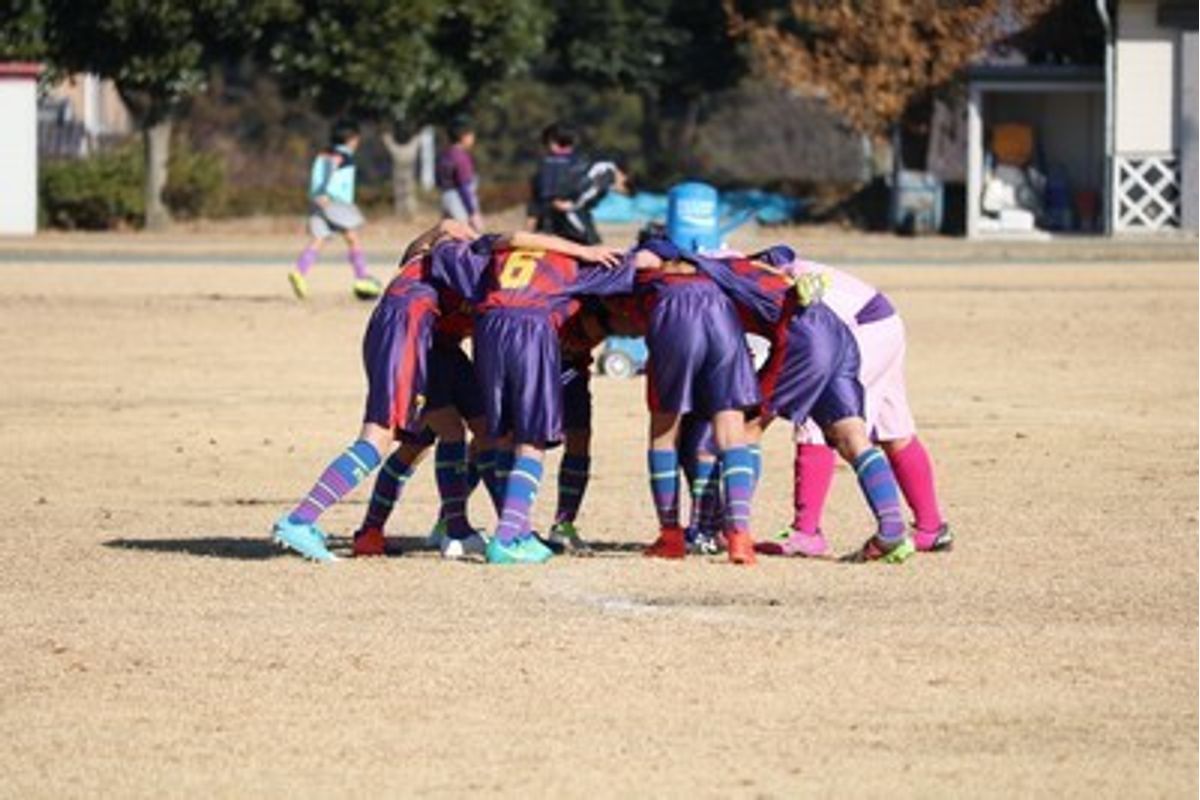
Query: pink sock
{"points": [[814, 474], [308, 257], [914, 473], [358, 260]]}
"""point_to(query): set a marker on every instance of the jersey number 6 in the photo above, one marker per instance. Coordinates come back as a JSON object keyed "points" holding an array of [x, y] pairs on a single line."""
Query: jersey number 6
{"points": [[519, 268]]}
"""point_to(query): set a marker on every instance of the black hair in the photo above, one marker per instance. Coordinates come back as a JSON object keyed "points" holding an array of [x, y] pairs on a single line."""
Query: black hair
{"points": [[458, 128], [651, 230], [559, 133], [343, 131]]}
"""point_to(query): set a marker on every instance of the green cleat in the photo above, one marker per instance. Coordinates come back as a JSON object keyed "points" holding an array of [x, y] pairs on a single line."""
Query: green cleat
{"points": [[299, 284], [367, 288], [566, 536], [877, 549]]}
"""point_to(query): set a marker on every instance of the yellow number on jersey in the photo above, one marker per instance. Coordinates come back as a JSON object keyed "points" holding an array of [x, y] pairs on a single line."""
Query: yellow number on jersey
{"points": [[519, 268]]}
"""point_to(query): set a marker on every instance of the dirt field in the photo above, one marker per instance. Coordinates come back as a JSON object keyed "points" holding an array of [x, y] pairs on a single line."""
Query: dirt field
{"points": [[154, 421]]}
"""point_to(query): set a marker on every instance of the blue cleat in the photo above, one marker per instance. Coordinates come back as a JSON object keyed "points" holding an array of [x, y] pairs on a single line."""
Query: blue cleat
{"points": [[306, 539], [525, 550], [536, 551]]}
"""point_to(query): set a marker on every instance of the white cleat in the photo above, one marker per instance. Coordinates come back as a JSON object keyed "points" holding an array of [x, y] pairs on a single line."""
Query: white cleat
{"points": [[455, 549]]}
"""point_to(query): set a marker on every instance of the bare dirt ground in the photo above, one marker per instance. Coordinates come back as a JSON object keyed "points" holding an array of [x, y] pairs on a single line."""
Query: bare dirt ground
{"points": [[155, 420]]}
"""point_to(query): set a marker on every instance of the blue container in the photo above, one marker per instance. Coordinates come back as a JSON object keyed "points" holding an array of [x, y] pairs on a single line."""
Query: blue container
{"points": [[694, 216]]}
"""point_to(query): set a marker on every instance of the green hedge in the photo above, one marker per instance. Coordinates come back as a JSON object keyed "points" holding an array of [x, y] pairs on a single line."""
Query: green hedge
{"points": [[106, 190]]}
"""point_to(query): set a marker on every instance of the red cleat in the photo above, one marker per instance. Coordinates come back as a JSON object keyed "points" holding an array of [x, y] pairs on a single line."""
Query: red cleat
{"points": [[369, 542], [741, 549], [669, 544]]}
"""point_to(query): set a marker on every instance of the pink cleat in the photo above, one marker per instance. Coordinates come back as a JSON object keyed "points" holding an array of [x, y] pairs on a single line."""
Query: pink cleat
{"points": [[791, 542], [936, 541]]}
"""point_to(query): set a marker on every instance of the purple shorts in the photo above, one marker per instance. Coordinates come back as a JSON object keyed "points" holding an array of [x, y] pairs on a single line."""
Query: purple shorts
{"points": [[451, 380], [395, 349], [577, 397], [517, 362], [813, 370], [699, 361]]}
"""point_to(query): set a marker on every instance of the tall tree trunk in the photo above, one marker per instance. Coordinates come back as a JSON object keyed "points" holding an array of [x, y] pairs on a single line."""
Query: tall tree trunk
{"points": [[157, 139], [404, 173], [651, 133]]}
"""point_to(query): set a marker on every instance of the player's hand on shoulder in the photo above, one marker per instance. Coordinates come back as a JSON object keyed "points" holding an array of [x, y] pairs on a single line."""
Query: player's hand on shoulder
{"points": [[599, 254], [456, 229]]}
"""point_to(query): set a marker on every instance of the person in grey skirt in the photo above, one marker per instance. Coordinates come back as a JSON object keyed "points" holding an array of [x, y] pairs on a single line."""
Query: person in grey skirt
{"points": [[332, 210]]}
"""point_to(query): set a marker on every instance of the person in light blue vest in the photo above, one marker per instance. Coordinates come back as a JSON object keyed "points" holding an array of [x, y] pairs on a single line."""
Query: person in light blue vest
{"points": [[332, 210]]}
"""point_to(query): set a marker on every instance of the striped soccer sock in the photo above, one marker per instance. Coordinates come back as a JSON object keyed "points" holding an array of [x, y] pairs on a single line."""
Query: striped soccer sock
{"points": [[389, 485], [520, 491], [343, 474], [737, 479], [704, 488], [485, 469], [450, 469], [878, 484], [573, 474], [501, 466], [664, 486], [755, 451]]}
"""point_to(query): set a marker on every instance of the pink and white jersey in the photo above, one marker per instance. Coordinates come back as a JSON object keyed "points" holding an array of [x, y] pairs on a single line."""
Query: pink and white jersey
{"points": [[845, 294], [879, 333]]}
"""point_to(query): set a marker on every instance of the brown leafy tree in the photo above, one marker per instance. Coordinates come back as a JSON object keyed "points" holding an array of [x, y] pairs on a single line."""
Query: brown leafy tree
{"points": [[870, 58]]}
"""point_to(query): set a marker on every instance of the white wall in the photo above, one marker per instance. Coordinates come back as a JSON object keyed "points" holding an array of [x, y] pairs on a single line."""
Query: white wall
{"points": [[18, 155], [1145, 78]]}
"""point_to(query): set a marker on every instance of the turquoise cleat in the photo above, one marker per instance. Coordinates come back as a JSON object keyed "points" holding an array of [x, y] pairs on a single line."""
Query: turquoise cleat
{"points": [[306, 539], [525, 550], [536, 552]]}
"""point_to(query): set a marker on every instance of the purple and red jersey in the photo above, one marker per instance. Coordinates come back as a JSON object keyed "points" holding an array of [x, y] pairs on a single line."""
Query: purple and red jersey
{"points": [[765, 295], [525, 280]]}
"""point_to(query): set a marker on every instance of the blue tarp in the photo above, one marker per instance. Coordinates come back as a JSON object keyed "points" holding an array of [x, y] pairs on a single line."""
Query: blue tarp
{"points": [[736, 207]]}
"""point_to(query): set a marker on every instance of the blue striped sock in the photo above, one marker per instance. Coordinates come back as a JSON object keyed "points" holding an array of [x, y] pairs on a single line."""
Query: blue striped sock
{"points": [[521, 490], [704, 486], [737, 479], [756, 462], [664, 486], [343, 473], [878, 484]]}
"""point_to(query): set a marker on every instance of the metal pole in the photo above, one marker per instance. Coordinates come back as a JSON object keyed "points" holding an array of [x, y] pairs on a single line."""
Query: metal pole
{"points": [[1110, 183]]}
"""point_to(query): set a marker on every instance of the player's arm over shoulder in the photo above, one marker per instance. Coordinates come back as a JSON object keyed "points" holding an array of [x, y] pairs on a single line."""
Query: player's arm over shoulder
{"points": [[526, 240]]}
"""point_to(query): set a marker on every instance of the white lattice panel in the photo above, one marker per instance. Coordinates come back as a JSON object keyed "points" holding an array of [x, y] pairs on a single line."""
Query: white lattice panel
{"points": [[1147, 192]]}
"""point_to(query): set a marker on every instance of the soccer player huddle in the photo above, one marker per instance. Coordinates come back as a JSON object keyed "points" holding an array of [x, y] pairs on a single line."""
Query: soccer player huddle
{"points": [[535, 305]]}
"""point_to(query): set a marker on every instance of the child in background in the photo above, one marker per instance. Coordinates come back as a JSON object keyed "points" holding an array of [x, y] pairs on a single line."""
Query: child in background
{"points": [[332, 210], [456, 176]]}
